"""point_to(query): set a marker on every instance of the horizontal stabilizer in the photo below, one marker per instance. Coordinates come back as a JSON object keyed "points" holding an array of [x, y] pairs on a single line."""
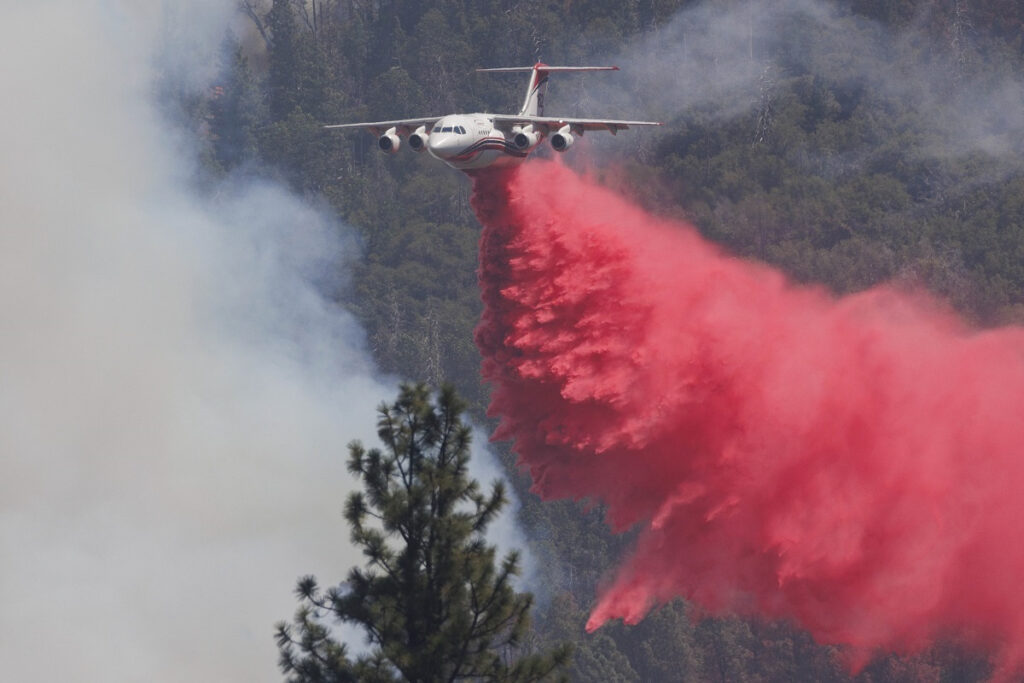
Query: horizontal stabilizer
{"points": [[533, 105], [545, 67]]}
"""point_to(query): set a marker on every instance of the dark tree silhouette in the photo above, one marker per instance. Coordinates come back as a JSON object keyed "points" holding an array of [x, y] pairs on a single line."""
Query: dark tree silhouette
{"points": [[433, 601]]}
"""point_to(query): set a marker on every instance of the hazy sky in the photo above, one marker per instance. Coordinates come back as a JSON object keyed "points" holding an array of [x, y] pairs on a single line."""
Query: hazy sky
{"points": [[175, 396]]}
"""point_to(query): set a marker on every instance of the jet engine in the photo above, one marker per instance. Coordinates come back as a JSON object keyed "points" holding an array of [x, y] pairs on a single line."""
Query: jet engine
{"points": [[563, 139], [418, 139], [389, 142], [525, 138]]}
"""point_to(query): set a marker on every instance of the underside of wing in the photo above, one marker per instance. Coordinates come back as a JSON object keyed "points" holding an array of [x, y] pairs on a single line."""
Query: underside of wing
{"points": [[553, 123], [401, 126]]}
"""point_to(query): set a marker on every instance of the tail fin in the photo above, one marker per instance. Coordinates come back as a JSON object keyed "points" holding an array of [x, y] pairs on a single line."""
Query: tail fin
{"points": [[533, 104]]}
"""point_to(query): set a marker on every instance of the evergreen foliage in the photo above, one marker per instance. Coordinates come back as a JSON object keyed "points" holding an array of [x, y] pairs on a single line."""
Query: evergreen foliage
{"points": [[235, 109], [432, 600], [284, 73]]}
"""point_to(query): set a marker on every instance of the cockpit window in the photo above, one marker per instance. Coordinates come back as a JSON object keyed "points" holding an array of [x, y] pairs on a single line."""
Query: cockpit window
{"points": [[437, 129], [446, 129]]}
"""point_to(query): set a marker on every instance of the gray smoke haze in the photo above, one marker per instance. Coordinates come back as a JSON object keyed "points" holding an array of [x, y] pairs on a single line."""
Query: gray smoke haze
{"points": [[713, 61], [175, 393]]}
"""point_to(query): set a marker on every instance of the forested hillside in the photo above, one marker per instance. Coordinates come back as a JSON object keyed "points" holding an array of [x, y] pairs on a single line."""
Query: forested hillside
{"points": [[847, 143]]}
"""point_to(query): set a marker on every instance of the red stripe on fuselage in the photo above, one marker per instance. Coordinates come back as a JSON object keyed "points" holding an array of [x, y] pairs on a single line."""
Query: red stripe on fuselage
{"points": [[489, 143]]}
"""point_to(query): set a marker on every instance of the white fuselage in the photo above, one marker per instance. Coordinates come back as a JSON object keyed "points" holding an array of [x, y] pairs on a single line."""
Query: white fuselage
{"points": [[471, 141]]}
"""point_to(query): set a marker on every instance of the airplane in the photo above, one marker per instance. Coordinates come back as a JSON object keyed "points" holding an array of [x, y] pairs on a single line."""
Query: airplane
{"points": [[469, 142]]}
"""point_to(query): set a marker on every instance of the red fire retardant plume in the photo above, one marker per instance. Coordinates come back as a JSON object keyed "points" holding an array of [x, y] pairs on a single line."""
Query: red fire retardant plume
{"points": [[852, 464]]}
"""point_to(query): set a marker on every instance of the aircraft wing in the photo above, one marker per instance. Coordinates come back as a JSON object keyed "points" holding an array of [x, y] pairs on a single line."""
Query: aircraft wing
{"points": [[403, 126], [553, 123]]}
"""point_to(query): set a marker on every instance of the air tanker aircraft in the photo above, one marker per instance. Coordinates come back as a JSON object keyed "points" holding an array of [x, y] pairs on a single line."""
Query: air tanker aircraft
{"points": [[470, 142]]}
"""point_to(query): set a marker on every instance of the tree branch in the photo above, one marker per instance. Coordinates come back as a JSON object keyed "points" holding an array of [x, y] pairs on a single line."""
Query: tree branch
{"points": [[249, 8]]}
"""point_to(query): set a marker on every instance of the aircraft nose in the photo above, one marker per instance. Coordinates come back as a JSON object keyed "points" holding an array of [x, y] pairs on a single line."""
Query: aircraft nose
{"points": [[443, 145]]}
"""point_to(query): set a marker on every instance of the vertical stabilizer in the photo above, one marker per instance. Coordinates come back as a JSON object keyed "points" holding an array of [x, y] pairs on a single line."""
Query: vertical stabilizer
{"points": [[533, 104]]}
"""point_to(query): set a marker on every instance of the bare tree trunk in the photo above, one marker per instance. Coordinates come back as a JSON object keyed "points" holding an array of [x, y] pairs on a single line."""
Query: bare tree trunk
{"points": [[433, 370], [250, 9], [959, 32], [766, 105]]}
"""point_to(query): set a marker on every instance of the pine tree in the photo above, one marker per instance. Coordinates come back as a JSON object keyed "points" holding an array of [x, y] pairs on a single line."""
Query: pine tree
{"points": [[434, 603], [234, 108], [284, 68]]}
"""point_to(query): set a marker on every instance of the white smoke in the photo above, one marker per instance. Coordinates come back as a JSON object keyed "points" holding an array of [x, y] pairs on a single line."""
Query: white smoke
{"points": [[714, 61], [175, 393]]}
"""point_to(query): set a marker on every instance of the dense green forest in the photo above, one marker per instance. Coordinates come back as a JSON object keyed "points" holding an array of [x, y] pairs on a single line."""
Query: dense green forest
{"points": [[847, 143]]}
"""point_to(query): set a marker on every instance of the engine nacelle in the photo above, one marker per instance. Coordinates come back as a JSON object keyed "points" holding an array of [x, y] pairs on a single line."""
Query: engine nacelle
{"points": [[563, 139], [418, 139], [389, 142], [525, 138]]}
